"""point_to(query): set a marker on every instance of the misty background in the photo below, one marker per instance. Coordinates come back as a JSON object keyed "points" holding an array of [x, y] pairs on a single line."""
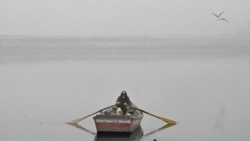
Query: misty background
{"points": [[62, 59], [170, 18]]}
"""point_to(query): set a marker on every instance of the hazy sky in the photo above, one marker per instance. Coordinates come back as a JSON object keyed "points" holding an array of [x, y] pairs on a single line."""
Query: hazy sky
{"points": [[122, 17]]}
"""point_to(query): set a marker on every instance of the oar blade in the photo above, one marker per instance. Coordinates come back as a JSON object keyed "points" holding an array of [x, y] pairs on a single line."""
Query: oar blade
{"points": [[75, 121], [168, 121]]}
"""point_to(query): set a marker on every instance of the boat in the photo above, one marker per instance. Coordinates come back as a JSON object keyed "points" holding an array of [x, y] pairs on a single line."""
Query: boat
{"points": [[137, 134], [109, 121]]}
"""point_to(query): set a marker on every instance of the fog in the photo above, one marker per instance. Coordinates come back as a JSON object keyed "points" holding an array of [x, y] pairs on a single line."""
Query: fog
{"points": [[202, 84], [172, 18], [62, 59]]}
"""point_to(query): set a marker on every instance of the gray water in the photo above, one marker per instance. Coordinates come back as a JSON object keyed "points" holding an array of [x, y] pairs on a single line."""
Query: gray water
{"points": [[203, 84]]}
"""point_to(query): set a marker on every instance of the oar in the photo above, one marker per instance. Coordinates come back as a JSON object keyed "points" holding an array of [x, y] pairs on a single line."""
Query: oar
{"points": [[82, 128], [168, 121], [75, 121]]}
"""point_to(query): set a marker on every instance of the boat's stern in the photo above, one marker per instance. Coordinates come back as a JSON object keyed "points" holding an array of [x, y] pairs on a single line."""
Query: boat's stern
{"points": [[116, 123]]}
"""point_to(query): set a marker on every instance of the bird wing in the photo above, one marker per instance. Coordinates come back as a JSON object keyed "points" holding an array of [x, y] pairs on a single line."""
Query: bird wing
{"points": [[214, 15], [223, 19], [220, 13]]}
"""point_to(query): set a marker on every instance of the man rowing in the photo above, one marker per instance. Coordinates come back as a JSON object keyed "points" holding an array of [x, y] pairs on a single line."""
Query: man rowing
{"points": [[123, 103]]}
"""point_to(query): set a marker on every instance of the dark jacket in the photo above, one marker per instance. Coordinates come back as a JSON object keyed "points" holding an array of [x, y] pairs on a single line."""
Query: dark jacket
{"points": [[120, 102]]}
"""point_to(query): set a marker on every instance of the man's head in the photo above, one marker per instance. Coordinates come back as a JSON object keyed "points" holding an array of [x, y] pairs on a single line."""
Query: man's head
{"points": [[124, 94]]}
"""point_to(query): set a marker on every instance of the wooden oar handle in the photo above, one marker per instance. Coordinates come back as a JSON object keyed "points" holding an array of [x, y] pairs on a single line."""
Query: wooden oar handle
{"points": [[169, 121], [75, 121]]}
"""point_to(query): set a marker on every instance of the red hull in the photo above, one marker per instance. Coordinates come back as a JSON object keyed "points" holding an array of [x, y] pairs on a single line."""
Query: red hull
{"points": [[116, 123], [114, 126]]}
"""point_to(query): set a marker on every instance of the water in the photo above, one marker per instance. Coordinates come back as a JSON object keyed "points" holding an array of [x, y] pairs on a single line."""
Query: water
{"points": [[202, 84]]}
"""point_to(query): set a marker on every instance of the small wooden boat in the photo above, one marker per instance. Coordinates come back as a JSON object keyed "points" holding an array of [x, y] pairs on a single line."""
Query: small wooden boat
{"points": [[109, 121]]}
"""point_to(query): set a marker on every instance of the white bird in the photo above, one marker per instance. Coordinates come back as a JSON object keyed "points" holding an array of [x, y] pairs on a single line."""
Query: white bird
{"points": [[217, 15]]}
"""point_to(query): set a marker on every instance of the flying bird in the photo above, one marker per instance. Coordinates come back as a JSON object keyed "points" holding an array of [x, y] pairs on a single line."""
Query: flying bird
{"points": [[223, 19], [217, 16]]}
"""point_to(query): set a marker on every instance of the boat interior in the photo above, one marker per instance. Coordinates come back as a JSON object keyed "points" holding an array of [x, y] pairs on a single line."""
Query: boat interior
{"points": [[112, 111]]}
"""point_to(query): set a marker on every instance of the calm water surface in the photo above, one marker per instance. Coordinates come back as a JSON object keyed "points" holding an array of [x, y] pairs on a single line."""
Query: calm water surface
{"points": [[204, 85]]}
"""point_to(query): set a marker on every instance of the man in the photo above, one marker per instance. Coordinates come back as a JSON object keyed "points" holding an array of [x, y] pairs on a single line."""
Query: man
{"points": [[123, 103]]}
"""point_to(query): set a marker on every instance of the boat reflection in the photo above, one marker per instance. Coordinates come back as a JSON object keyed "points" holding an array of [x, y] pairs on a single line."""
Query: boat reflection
{"points": [[134, 136], [82, 128], [159, 129]]}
